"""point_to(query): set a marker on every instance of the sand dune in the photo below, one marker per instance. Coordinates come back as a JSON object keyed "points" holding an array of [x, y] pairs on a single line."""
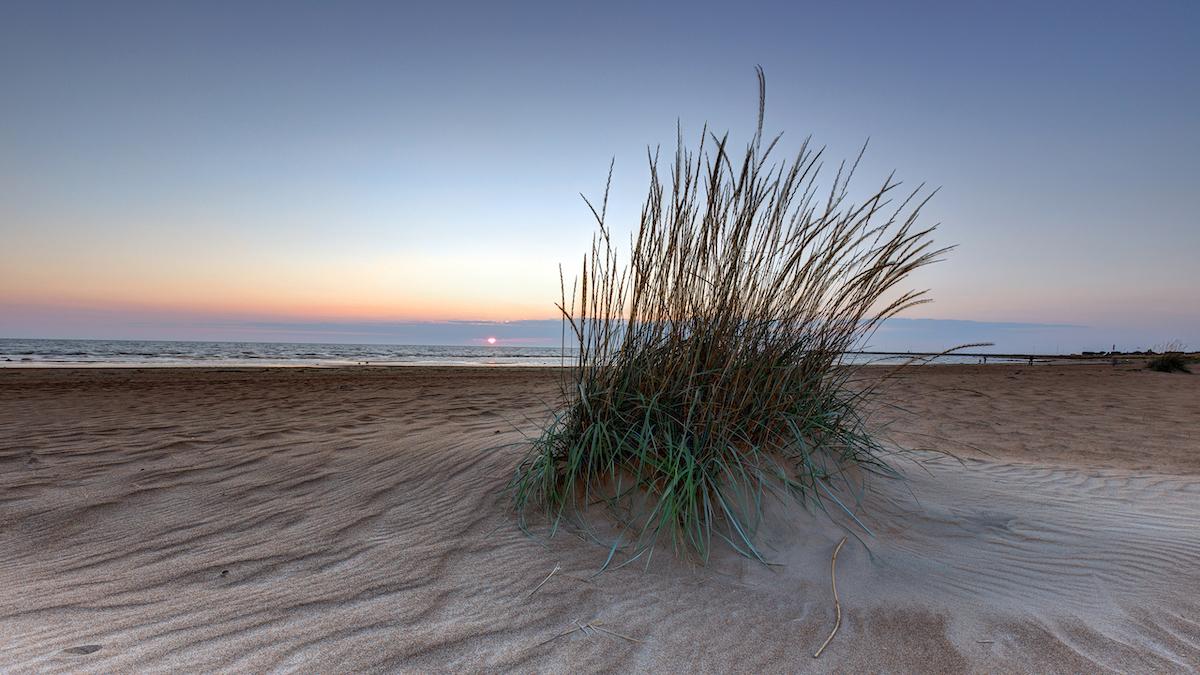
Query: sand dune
{"points": [[350, 519]]}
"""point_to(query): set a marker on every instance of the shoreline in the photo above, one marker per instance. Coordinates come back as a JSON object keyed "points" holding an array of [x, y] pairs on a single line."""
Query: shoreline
{"points": [[18, 353], [54, 365]]}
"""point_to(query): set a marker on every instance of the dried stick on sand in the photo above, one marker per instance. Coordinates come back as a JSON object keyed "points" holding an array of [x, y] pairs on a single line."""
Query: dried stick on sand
{"points": [[837, 604], [594, 626], [557, 567]]}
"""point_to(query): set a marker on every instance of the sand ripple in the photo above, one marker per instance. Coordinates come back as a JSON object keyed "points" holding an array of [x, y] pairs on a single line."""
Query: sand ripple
{"points": [[349, 520]]}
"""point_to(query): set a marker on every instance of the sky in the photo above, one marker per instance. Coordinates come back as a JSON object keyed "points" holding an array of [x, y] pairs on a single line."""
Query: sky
{"points": [[379, 172]]}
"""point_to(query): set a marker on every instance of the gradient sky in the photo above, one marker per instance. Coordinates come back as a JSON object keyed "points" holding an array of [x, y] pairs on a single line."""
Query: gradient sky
{"points": [[208, 170]]}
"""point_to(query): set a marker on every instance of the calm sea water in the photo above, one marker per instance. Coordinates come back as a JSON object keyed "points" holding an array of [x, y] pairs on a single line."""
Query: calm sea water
{"points": [[64, 353], [14, 352]]}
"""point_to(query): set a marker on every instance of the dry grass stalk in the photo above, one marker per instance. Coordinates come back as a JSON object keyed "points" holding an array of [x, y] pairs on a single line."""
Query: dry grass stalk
{"points": [[557, 567]]}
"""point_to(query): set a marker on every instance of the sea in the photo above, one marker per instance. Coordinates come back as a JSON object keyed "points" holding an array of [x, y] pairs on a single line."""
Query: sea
{"points": [[150, 353], [139, 353]]}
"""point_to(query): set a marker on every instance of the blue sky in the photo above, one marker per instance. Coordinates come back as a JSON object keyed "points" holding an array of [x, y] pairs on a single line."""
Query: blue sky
{"points": [[176, 169]]}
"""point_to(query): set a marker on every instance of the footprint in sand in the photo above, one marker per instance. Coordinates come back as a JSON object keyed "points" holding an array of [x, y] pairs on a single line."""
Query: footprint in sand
{"points": [[82, 649]]}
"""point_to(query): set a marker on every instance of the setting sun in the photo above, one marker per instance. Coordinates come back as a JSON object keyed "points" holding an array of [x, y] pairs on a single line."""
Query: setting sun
{"points": [[491, 341]]}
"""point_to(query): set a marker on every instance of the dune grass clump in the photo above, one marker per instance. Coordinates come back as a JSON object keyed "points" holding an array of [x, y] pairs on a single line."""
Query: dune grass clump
{"points": [[1171, 360], [711, 373]]}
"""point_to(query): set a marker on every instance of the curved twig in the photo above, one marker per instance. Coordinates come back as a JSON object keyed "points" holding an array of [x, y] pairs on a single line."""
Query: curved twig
{"points": [[837, 604]]}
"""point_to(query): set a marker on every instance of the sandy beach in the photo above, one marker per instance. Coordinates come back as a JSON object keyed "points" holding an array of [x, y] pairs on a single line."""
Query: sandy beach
{"points": [[351, 519]]}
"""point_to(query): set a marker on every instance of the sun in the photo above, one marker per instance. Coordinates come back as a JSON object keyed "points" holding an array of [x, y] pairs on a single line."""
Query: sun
{"points": [[491, 341]]}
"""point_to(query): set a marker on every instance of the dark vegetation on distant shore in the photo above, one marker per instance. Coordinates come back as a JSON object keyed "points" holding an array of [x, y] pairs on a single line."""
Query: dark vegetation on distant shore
{"points": [[709, 377]]}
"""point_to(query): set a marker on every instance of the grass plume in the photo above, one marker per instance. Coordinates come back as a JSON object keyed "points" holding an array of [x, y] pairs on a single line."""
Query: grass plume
{"points": [[710, 372], [1171, 360]]}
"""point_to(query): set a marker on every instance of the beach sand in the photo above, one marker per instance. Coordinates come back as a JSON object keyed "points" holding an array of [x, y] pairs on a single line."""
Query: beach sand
{"points": [[351, 520]]}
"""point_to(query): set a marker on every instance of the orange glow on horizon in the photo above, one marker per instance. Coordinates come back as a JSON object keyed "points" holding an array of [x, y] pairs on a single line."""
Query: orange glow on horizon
{"points": [[203, 308], [367, 289]]}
